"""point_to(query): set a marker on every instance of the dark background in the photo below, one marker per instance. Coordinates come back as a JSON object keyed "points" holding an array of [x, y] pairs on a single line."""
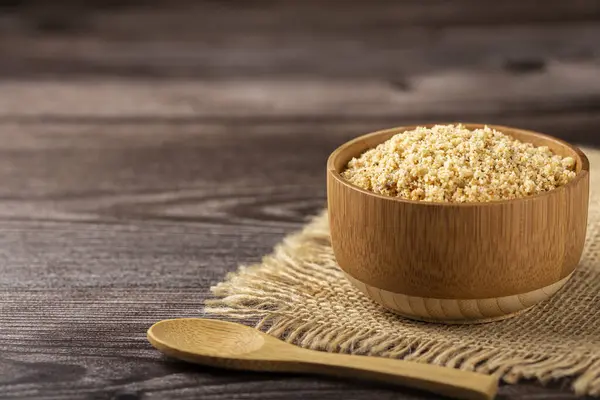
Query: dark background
{"points": [[527, 63], [147, 148]]}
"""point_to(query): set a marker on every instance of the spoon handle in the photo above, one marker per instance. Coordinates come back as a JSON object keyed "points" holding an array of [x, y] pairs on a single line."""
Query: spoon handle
{"points": [[441, 380]]}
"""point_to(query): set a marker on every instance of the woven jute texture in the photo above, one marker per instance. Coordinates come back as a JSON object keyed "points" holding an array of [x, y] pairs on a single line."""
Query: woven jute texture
{"points": [[299, 294]]}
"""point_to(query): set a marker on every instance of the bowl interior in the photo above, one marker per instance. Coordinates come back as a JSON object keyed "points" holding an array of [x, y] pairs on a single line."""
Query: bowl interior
{"points": [[339, 159]]}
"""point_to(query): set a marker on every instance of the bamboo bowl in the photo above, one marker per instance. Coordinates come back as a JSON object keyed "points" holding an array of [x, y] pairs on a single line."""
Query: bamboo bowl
{"points": [[457, 263]]}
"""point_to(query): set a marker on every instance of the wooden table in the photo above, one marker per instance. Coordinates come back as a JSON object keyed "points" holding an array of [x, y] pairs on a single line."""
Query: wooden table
{"points": [[147, 150]]}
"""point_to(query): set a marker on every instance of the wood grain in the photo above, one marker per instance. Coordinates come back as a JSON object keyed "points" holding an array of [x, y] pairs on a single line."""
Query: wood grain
{"points": [[463, 252], [391, 40], [236, 346], [458, 311], [319, 106], [166, 214], [147, 148]]}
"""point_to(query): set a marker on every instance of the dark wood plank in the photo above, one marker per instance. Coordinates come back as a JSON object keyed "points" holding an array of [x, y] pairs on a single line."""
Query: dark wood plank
{"points": [[168, 13], [107, 228], [103, 354], [562, 101], [159, 169], [396, 55], [384, 39]]}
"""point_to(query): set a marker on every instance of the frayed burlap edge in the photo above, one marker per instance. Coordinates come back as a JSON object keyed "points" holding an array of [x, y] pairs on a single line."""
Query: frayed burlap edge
{"points": [[263, 292]]}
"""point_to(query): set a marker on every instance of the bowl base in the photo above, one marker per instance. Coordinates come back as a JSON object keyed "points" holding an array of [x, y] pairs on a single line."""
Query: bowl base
{"points": [[458, 311], [461, 321]]}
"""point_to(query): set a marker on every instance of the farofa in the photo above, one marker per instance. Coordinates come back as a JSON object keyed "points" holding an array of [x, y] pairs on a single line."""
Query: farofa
{"points": [[450, 163]]}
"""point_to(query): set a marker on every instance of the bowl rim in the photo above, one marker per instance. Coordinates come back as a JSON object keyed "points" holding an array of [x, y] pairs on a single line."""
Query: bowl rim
{"points": [[583, 173]]}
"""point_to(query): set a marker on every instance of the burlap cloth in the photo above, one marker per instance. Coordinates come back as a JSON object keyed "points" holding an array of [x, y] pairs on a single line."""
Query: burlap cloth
{"points": [[300, 295]]}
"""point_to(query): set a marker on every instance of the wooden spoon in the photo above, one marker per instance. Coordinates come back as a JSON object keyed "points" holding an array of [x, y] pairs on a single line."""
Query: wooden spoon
{"points": [[234, 346]]}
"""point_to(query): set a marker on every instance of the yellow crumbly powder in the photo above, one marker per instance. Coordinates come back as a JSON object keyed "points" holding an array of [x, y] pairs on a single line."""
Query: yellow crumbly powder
{"points": [[450, 163]]}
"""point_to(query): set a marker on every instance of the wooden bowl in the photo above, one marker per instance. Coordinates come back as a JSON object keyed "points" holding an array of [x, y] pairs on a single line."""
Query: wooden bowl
{"points": [[457, 263]]}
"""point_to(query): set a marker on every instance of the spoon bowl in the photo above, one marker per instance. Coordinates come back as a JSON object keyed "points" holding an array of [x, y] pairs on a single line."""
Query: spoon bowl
{"points": [[235, 346], [212, 338]]}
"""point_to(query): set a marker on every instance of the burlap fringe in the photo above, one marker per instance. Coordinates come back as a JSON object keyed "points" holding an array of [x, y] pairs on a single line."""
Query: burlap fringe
{"points": [[265, 293]]}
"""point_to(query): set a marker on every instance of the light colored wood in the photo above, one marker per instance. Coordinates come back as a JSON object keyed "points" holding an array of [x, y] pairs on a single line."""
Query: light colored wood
{"points": [[468, 251], [458, 311], [235, 346]]}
